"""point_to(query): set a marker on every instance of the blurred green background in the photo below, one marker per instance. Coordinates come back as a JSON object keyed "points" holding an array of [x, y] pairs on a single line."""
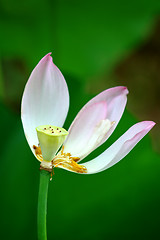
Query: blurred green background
{"points": [[96, 45]]}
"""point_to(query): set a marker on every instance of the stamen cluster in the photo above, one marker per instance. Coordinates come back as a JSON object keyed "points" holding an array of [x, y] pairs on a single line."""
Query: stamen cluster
{"points": [[67, 161], [62, 160]]}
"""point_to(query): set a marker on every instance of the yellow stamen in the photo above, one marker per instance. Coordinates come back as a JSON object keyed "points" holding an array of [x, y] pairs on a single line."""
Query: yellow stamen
{"points": [[38, 153], [63, 160], [67, 161]]}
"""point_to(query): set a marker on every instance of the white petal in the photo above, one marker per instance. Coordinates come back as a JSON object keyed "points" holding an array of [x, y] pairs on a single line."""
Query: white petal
{"points": [[120, 148], [108, 105], [45, 99]]}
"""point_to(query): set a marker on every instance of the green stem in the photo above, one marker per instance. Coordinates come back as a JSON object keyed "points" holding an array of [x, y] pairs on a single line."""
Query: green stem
{"points": [[42, 204]]}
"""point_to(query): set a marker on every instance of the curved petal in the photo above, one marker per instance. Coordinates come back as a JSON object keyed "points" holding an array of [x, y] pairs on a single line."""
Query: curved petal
{"points": [[120, 148], [45, 99], [108, 105]]}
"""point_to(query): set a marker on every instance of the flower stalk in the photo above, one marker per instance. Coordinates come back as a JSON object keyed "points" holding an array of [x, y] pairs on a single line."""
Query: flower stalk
{"points": [[42, 204]]}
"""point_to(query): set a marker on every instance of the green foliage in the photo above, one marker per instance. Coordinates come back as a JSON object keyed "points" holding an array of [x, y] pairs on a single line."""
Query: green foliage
{"points": [[86, 37]]}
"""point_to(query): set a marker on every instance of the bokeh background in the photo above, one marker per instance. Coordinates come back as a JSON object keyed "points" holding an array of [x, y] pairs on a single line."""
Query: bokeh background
{"points": [[97, 45]]}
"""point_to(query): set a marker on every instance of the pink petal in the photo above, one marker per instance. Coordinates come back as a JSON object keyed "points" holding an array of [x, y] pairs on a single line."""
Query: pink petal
{"points": [[45, 99], [114, 102], [85, 123], [120, 148]]}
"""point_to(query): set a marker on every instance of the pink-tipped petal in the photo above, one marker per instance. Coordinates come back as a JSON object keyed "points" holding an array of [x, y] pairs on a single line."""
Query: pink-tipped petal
{"points": [[82, 128], [85, 123], [120, 148], [45, 99]]}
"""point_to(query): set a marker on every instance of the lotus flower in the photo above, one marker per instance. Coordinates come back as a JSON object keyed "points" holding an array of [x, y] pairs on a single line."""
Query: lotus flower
{"points": [[45, 105]]}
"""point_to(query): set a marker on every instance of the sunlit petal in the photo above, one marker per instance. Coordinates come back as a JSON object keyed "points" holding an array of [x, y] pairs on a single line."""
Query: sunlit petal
{"points": [[45, 99], [120, 148], [107, 107]]}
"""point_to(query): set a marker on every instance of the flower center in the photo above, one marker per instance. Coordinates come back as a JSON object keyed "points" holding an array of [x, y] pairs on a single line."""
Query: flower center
{"points": [[50, 140], [61, 160]]}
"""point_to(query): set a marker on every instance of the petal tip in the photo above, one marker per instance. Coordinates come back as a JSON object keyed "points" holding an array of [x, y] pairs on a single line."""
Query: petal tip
{"points": [[46, 58], [146, 125], [125, 90], [151, 124], [119, 90]]}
